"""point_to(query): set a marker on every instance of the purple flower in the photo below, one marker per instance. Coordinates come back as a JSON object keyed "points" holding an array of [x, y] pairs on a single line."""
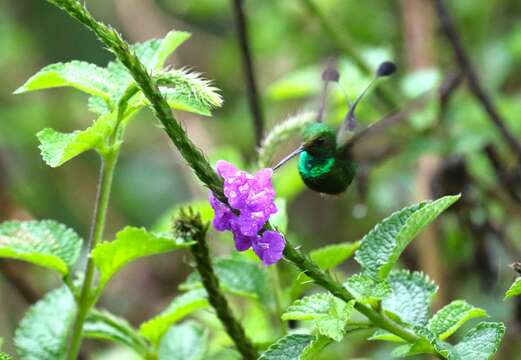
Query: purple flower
{"points": [[253, 197]]}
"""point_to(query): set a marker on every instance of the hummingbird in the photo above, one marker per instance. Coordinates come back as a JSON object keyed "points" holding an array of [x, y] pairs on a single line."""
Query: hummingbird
{"points": [[326, 163]]}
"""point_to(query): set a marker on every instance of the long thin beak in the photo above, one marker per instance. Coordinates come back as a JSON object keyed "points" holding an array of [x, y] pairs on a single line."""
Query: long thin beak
{"points": [[289, 157]]}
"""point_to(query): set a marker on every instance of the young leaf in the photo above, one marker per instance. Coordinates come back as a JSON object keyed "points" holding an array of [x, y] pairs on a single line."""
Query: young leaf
{"points": [[45, 243], [130, 244], [329, 313], [42, 333], [411, 296], [81, 75], [382, 246], [515, 289], [182, 306], [58, 148], [187, 341], [106, 326], [237, 276], [450, 318], [153, 53], [366, 290], [295, 347], [481, 342], [330, 256]]}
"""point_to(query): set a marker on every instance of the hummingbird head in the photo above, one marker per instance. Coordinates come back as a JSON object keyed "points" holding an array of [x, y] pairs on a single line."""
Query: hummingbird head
{"points": [[319, 140]]}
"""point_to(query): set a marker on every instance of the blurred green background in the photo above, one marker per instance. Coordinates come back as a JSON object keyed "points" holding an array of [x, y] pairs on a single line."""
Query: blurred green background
{"points": [[436, 151]]}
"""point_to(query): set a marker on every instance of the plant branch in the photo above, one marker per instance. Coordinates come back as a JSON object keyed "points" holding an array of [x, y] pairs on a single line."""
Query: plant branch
{"points": [[475, 86], [249, 71], [189, 225], [87, 296], [345, 45]]}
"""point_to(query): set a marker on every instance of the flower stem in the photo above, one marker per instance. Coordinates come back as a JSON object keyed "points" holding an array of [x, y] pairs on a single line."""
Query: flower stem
{"points": [[210, 282], [87, 296]]}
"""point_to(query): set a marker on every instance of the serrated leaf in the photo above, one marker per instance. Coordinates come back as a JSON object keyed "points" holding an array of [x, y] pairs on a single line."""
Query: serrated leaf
{"points": [[81, 75], [130, 244], [42, 333], [366, 290], [180, 307], [450, 318], [295, 347], [187, 341], [57, 148], [331, 256], [382, 246], [481, 342], [237, 276], [153, 53], [329, 313], [515, 289], [107, 326], [45, 243], [411, 296]]}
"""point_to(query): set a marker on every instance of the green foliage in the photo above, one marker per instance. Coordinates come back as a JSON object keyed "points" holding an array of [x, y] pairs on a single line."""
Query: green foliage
{"points": [[131, 244], [106, 326], [450, 318], [295, 347], [187, 341], [43, 331], [180, 307], [382, 246], [481, 342], [58, 148], [330, 256], [237, 276], [81, 75], [45, 243], [367, 290], [515, 289], [411, 296], [329, 314]]}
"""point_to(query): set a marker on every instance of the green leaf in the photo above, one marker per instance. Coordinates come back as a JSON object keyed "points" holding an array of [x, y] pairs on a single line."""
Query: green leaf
{"points": [[4, 356], [45, 243], [329, 313], [384, 335], [237, 276], [450, 318], [187, 341], [180, 307], [330, 256], [58, 148], [106, 326], [130, 244], [382, 246], [42, 333], [367, 290], [411, 296], [81, 75], [515, 289], [295, 347], [481, 342], [153, 53]]}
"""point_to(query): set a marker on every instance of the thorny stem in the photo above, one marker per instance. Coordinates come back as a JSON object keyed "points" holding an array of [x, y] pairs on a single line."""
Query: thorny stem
{"points": [[211, 284], [87, 296], [344, 44], [475, 86], [249, 71], [196, 160]]}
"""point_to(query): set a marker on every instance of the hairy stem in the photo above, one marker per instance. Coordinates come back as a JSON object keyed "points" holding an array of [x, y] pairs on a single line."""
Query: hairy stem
{"points": [[217, 300], [344, 44], [87, 296], [249, 71]]}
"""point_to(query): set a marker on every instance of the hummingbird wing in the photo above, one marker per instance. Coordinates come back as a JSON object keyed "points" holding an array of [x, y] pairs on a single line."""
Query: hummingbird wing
{"points": [[369, 143]]}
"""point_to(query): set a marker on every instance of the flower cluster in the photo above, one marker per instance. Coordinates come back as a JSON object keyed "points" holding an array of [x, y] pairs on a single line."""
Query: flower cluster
{"points": [[253, 198]]}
